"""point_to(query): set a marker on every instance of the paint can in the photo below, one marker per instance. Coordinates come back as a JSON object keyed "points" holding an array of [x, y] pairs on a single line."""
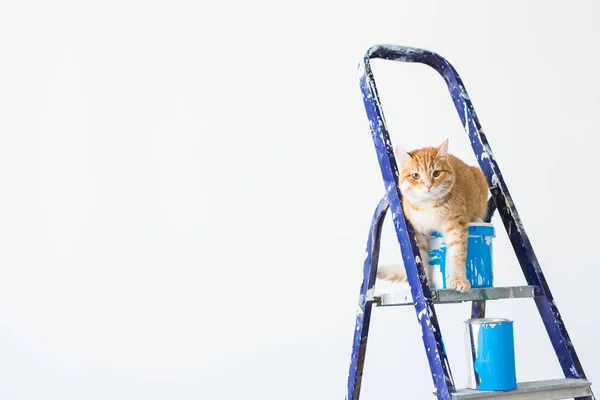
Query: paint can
{"points": [[490, 350], [479, 267]]}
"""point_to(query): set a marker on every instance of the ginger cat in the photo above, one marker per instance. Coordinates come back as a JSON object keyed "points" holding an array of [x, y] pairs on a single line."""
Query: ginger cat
{"points": [[439, 193]]}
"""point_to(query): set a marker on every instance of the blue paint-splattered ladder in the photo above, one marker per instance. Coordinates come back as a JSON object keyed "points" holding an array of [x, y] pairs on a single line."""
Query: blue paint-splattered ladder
{"points": [[575, 384]]}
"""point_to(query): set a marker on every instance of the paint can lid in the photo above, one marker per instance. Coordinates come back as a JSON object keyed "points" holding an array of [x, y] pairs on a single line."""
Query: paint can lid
{"points": [[482, 229]]}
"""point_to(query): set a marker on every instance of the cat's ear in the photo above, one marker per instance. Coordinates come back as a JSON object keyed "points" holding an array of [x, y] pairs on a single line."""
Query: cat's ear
{"points": [[401, 155], [442, 150]]}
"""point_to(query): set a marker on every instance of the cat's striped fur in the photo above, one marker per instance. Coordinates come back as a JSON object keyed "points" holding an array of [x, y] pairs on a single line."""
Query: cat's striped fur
{"points": [[439, 193]]}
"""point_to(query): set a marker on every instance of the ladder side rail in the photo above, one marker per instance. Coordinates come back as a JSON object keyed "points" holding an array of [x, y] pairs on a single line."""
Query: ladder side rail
{"points": [[421, 294], [365, 302]]}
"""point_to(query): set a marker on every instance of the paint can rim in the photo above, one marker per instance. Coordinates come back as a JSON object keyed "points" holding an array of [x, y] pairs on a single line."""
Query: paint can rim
{"points": [[487, 321]]}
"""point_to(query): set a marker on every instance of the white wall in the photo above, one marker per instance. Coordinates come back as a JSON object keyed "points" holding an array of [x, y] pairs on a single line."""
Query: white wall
{"points": [[186, 189]]}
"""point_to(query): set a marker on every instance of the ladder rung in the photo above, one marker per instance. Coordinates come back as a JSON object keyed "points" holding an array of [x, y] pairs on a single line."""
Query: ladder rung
{"points": [[404, 298], [555, 389]]}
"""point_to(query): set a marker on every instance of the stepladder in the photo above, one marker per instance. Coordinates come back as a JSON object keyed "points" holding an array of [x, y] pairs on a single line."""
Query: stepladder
{"points": [[575, 384]]}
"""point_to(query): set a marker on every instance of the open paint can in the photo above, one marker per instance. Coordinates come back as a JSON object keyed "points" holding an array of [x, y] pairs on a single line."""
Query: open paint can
{"points": [[490, 349], [479, 266]]}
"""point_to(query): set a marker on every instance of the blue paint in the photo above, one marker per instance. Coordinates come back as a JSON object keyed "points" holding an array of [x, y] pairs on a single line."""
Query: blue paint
{"points": [[432, 337], [437, 259], [479, 265], [495, 362]]}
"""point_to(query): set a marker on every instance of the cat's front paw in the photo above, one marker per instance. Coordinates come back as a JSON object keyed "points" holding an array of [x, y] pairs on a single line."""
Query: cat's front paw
{"points": [[460, 284]]}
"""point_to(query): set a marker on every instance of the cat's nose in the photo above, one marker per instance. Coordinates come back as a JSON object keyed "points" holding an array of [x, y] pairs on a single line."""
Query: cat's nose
{"points": [[429, 187]]}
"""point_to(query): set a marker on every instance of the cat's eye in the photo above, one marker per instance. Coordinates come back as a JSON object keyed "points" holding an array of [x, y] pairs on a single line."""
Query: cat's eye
{"points": [[415, 176], [436, 173]]}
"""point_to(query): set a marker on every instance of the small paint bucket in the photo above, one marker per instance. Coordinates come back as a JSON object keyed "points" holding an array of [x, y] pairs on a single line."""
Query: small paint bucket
{"points": [[479, 265], [490, 349]]}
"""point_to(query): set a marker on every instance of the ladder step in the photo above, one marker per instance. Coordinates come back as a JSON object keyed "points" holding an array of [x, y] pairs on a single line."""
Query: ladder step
{"points": [[441, 296], [555, 389]]}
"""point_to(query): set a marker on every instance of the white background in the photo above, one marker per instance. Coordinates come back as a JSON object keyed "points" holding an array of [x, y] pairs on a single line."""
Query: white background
{"points": [[186, 189]]}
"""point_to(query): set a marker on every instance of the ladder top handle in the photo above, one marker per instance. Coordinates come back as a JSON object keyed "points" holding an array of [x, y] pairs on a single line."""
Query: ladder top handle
{"points": [[415, 55], [405, 54]]}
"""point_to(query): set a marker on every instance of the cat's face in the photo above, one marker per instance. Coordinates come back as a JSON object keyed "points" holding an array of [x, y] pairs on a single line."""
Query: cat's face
{"points": [[425, 174]]}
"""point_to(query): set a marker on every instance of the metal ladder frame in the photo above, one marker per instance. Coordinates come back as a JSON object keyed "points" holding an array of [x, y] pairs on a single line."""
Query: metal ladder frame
{"points": [[421, 294]]}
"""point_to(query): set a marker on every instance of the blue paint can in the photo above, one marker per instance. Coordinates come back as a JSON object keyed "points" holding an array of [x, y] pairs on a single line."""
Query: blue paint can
{"points": [[491, 354], [479, 266]]}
